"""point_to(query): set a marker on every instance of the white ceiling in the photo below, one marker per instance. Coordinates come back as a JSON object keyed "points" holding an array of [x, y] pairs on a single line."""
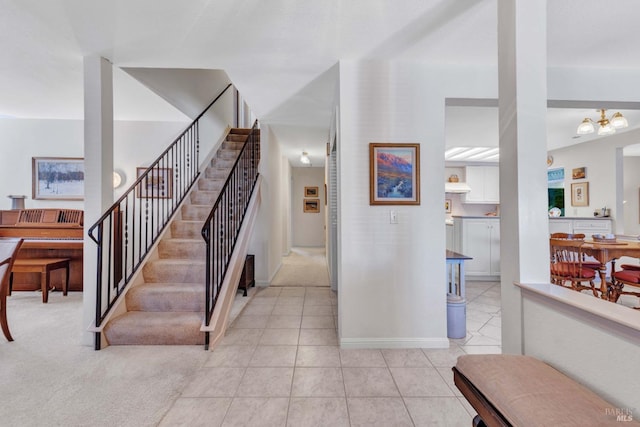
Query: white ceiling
{"points": [[281, 54]]}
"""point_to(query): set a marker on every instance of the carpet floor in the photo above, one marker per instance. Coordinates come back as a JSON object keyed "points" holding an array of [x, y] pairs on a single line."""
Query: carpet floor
{"points": [[303, 267]]}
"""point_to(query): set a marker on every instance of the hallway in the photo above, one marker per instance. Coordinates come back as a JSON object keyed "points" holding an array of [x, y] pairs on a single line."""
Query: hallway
{"points": [[280, 365]]}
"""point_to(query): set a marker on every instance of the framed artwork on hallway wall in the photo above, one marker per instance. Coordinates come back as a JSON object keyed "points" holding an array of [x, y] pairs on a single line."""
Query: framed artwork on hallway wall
{"points": [[310, 191], [394, 174], [57, 178], [580, 194], [311, 205]]}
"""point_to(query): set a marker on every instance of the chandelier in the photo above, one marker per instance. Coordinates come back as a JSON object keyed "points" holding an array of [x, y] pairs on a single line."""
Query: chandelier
{"points": [[606, 126]]}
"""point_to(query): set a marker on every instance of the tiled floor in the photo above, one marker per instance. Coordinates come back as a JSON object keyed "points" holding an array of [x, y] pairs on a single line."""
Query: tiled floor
{"points": [[280, 365]]}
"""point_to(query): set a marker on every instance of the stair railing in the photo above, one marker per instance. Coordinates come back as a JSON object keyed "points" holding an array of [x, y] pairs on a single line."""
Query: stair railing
{"points": [[221, 228], [130, 227]]}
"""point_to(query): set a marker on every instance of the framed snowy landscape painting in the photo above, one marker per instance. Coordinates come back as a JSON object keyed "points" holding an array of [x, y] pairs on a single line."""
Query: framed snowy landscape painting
{"points": [[57, 178], [394, 173]]}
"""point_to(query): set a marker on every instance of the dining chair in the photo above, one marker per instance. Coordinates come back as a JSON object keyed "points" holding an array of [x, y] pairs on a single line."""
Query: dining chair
{"points": [[8, 251], [567, 265], [628, 276], [586, 262]]}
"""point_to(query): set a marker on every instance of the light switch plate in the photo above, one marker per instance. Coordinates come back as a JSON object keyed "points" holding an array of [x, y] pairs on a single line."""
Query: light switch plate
{"points": [[393, 217]]}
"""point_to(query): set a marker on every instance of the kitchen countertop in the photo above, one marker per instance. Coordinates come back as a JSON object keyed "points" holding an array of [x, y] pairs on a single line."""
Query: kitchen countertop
{"points": [[475, 216], [580, 217]]}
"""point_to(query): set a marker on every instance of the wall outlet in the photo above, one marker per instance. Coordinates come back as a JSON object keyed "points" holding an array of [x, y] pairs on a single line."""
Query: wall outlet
{"points": [[393, 217]]}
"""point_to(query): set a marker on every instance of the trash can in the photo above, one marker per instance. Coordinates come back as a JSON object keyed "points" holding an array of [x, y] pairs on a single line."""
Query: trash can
{"points": [[456, 316]]}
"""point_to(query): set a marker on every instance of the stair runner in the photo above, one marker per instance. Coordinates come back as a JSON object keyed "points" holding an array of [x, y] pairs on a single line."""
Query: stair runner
{"points": [[168, 308]]}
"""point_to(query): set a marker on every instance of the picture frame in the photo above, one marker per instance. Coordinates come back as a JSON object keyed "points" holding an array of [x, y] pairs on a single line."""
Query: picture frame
{"points": [[310, 191], [579, 173], [57, 178], [311, 205], [580, 194], [447, 205], [158, 185], [394, 174]]}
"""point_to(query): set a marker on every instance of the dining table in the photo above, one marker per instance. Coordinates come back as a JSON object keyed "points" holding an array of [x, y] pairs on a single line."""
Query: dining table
{"points": [[608, 252]]}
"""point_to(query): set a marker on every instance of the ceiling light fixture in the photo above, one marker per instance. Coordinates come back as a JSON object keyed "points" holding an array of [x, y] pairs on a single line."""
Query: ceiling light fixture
{"points": [[607, 126], [304, 158]]}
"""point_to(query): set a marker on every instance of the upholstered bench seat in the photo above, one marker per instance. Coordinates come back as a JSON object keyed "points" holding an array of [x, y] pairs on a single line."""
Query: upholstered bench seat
{"points": [[512, 390]]}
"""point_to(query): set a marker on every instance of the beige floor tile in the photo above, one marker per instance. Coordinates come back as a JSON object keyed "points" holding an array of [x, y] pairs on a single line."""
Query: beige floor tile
{"points": [[280, 337], [317, 382], [320, 292], [317, 322], [270, 301], [266, 382], [369, 382], [284, 322], [287, 310], [420, 382], [318, 412], [242, 337], [482, 349], [379, 411], [318, 300], [405, 357], [274, 355], [318, 310], [318, 356], [437, 411], [270, 292], [318, 337], [447, 376], [250, 321], [196, 412], [214, 382], [230, 356], [258, 309], [355, 357], [257, 412], [446, 357], [292, 292], [290, 300]]}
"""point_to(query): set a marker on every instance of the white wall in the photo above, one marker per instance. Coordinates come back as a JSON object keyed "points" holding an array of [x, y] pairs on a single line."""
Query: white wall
{"points": [[632, 195], [391, 276], [307, 228], [135, 144], [268, 241]]}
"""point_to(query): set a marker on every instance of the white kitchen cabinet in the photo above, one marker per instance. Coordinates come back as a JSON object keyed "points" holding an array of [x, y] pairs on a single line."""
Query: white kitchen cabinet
{"points": [[479, 238], [450, 244], [484, 182], [586, 226], [560, 226]]}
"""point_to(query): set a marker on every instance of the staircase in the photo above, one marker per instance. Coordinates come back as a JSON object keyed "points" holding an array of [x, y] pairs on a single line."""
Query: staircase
{"points": [[166, 307]]}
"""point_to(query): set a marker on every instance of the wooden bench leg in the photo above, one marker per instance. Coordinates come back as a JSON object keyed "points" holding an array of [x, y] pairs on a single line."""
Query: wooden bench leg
{"points": [[44, 284], [66, 280]]}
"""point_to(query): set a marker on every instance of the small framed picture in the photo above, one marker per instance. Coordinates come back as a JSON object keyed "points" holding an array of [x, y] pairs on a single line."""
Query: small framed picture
{"points": [[580, 194], [394, 174], [157, 184], [310, 191], [579, 173], [447, 205], [311, 205]]}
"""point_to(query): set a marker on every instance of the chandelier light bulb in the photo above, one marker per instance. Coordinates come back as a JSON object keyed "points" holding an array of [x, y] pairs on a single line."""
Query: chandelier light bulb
{"points": [[618, 121], [304, 158], [586, 127]]}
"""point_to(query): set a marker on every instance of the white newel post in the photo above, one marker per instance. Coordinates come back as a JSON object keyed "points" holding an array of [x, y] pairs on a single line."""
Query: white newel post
{"points": [[98, 167]]}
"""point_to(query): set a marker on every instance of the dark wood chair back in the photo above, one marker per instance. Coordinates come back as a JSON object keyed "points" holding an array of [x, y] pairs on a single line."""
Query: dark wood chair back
{"points": [[8, 252]]}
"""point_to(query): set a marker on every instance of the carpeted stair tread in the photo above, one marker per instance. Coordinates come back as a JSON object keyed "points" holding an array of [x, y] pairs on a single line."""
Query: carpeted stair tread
{"points": [[178, 248], [155, 328], [167, 297], [174, 270], [186, 229], [194, 212]]}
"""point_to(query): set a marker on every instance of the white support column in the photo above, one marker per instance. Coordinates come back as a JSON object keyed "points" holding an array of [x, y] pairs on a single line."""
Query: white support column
{"points": [[524, 225], [98, 167]]}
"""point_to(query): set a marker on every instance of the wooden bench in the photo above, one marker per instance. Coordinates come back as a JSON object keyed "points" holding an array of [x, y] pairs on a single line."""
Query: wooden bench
{"points": [[512, 390], [44, 266]]}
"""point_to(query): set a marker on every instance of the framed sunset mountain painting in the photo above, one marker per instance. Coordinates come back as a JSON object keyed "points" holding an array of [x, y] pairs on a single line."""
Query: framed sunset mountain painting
{"points": [[394, 172]]}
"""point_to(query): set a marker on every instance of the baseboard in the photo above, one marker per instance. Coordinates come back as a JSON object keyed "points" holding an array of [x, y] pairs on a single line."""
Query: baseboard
{"points": [[394, 343]]}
